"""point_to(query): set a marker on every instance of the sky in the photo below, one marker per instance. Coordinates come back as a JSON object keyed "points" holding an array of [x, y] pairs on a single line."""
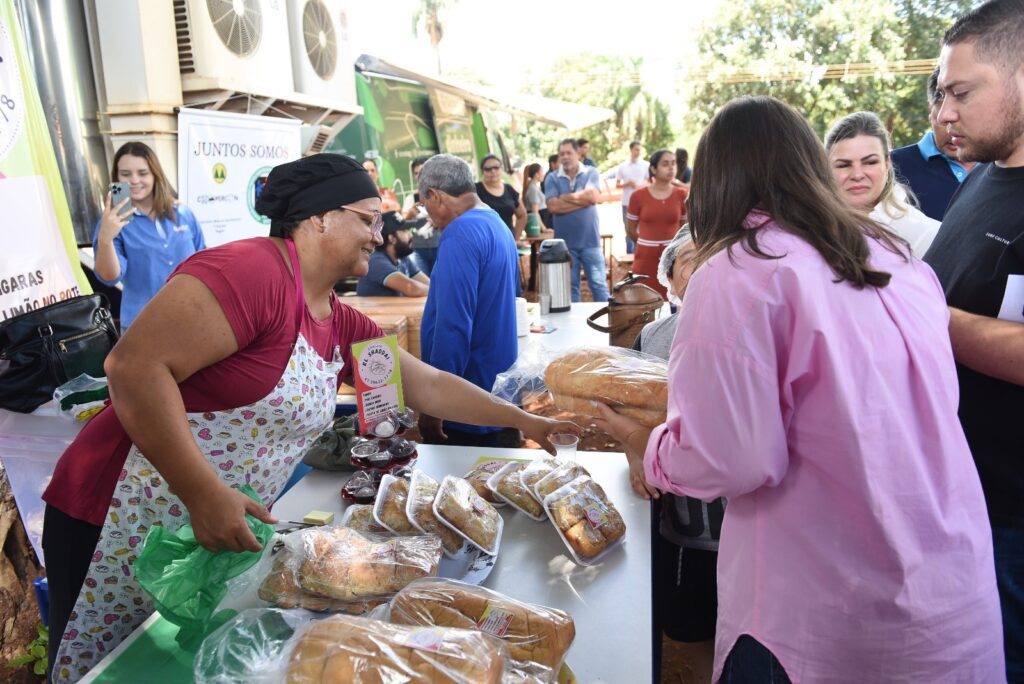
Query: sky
{"points": [[506, 43]]}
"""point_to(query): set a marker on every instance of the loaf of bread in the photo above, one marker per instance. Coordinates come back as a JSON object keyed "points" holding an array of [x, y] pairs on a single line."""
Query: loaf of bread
{"points": [[281, 588], [531, 632], [390, 507], [422, 492], [352, 650], [585, 517], [511, 487], [458, 505], [634, 385], [342, 563]]}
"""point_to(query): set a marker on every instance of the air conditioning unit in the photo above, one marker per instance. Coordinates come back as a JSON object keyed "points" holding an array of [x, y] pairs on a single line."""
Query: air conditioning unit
{"points": [[322, 63], [239, 45], [314, 139]]}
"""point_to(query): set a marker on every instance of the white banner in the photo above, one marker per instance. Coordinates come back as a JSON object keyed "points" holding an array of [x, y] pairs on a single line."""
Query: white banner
{"points": [[223, 162], [34, 271]]}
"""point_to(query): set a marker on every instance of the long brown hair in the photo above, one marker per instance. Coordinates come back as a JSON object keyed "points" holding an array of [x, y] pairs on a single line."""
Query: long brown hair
{"points": [[163, 194], [760, 153], [529, 172]]}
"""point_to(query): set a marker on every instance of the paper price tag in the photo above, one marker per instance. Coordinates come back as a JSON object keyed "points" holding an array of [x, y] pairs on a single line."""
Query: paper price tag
{"points": [[378, 378], [424, 639], [494, 621]]}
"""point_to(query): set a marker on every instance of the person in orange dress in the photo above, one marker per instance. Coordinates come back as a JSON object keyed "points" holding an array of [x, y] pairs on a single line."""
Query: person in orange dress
{"points": [[655, 213]]}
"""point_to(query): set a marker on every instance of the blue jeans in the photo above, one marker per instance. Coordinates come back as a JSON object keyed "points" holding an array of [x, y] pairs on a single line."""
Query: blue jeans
{"points": [[630, 245], [424, 259], [592, 260], [1008, 544], [749, 662]]}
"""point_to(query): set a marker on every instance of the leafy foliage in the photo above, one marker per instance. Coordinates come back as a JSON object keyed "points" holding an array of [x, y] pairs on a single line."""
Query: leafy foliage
{"points": [[769, 36], [429, 15], [608, 81], [36, 655]]}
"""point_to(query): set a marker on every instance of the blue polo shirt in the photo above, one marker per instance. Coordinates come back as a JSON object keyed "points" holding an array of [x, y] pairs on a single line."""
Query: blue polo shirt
{"points": [[374, 283], [148, 251], [929, 149], [580, 228], [469, 321], [932, 175]]}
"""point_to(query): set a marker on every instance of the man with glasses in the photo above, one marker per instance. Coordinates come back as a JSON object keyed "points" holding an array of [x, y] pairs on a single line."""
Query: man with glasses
{"points": [[469, 322], [572, 193]]}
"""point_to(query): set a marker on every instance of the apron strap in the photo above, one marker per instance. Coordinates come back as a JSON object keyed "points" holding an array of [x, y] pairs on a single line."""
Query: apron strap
{"points": [[300, 300]]}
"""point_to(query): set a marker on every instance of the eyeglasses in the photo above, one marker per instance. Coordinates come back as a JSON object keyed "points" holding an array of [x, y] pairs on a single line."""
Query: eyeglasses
{"points": [[376, 218], [492, 168]]}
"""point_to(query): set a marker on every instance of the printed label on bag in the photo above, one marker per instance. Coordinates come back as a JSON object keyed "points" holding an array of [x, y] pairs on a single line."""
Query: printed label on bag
{"points": [[423, 639], [594, 514], [479, 505], [494, 621]]}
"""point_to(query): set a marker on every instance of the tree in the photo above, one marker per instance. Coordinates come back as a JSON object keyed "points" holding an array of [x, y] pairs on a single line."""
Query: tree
{"points": [[429, 14], [774, 37], [615, 83]]}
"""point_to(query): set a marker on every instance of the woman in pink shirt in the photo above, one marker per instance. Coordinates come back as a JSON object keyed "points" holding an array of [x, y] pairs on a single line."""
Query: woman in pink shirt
{"points": [[811, 383]]}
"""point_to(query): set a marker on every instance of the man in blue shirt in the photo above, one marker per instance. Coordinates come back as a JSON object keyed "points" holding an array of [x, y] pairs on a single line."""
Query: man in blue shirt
{"points": [[469, 322], [572, 193], [391, 272], [931, 167], [583, 148]]}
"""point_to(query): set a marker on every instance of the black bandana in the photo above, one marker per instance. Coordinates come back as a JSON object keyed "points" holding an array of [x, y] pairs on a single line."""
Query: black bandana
{"points": [[310, 186]]}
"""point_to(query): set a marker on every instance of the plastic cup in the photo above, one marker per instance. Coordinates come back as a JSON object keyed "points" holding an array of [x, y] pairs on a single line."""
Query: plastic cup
{"points": [[565, 445]]}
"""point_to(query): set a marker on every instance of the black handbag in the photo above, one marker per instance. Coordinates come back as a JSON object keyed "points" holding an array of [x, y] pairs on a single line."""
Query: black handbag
{"points": [[42, 349]]}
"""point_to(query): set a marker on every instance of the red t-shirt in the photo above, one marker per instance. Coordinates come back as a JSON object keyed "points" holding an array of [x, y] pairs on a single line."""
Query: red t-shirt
{"points": [[256, 292]]}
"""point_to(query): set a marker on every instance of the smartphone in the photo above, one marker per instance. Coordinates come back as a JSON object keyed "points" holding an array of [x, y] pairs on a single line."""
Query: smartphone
{"points": [[120, 192]]}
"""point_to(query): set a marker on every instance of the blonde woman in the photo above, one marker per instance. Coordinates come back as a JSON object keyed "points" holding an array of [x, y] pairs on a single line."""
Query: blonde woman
{"points": [[858, 151]]}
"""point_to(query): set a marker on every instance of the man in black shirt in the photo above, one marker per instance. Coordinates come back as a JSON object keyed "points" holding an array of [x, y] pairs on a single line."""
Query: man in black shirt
{"points": [[978, 256]]}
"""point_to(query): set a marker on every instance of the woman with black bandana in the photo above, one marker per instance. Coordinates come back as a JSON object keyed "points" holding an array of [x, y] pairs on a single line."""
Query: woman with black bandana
{"points": [[222, 380]]}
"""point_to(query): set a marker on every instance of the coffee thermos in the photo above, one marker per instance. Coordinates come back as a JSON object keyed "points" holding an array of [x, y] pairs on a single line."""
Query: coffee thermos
{"points": [[555, 274]]}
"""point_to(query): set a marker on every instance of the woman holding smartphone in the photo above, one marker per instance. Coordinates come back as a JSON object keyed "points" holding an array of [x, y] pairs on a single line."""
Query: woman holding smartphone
{"points": [[144, 236]]}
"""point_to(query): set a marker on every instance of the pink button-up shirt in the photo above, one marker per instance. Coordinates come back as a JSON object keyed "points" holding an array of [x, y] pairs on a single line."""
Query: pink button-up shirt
{"points": [[856, 546]]}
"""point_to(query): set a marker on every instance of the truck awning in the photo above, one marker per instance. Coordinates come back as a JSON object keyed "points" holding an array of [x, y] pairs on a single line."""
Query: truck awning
{"points": [[568, 115]]}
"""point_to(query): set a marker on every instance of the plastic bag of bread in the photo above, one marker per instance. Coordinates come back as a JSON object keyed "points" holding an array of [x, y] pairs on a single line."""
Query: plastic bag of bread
{"points": [[360, 517], [389, 509], [560, 476], [632, 383], [280, 587], [507, 485], [352, 650], [346, 564], [534, 471], [586, 520], [458, 506], [287, 646], [479, 475], [420, 509], [531, 632]]}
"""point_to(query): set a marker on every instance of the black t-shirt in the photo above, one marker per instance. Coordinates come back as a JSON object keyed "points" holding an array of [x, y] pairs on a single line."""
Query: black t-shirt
{"points": [[980, 243], [504, 205]]}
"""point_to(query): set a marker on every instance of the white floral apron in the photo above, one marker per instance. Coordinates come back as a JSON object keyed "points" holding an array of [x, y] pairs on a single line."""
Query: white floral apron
{"points": [[259, 445]]}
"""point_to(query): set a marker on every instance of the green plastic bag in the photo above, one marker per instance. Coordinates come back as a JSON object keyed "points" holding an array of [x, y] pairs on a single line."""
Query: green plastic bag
{"points": [[186, 581]]}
